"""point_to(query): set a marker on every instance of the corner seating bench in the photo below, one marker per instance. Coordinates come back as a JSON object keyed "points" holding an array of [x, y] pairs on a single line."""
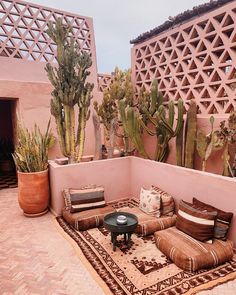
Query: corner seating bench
{"points": [[185, 251]]}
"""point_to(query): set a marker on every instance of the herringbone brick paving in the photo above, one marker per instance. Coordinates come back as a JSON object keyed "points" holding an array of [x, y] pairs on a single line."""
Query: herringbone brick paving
{"points": [[36, 259]]}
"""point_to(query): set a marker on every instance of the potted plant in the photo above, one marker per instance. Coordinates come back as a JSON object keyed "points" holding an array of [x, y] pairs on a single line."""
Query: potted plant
{"points": [[31, 160]]}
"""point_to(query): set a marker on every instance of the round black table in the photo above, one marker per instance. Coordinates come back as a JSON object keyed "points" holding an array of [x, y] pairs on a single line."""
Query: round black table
{"points": [[127, 229]]}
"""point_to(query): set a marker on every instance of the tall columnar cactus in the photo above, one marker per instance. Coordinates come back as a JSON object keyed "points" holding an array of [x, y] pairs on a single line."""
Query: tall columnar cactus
{"points": [[190, 135], [120, 88], [98, 138], [70, 89], [132, 126], [151, 111], [208, 143]]}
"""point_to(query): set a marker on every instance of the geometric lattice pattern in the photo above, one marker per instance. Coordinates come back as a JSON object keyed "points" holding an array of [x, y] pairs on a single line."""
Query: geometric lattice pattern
{"points": [[104, 81], [23, 30], [196, 60]]}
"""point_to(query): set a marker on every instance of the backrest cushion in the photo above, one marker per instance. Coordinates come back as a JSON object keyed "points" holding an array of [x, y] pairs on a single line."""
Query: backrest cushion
{"points": [[84, 198], [197, 224], [223, 219], [167, 202], [150, 202]]}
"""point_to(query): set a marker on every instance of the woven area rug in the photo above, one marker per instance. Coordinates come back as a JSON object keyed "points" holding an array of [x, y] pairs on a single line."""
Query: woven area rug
{"points": [[141, 269]]}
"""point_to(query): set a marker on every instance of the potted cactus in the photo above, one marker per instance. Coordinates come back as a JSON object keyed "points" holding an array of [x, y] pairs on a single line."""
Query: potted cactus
{"points": [[71, 95], [31, 160]]}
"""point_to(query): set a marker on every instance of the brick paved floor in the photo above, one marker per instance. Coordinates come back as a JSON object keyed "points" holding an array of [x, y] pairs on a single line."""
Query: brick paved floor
{"points": [[36, 259]]}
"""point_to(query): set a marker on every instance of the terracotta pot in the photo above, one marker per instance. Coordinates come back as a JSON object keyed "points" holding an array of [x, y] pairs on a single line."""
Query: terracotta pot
{"points": [[33, 193]]}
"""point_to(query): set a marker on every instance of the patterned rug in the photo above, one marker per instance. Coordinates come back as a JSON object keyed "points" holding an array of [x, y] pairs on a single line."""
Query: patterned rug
{"points": [[142, 269], [8, 180]]}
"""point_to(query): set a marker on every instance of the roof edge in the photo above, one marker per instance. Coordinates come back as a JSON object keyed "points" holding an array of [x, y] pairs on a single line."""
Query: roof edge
{"points": [[179, 18]]}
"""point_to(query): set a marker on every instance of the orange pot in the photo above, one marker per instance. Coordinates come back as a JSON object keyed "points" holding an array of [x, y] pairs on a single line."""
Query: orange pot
{"points": [[33, 193]]}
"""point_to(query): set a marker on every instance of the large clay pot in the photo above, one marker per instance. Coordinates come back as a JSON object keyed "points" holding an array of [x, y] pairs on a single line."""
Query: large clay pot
{"points": [[33, 193]]}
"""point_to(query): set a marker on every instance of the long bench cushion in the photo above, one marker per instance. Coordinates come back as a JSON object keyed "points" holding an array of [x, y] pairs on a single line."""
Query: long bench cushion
{"points": [[148, 224], [87, 219], [190, 254]]}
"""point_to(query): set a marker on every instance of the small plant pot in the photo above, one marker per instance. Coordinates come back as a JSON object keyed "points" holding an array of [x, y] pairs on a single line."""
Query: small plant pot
{"points": [[33, 193]]}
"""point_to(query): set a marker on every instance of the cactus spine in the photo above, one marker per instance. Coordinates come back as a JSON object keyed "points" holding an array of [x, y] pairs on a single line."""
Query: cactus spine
{"points": [[70, 89]]}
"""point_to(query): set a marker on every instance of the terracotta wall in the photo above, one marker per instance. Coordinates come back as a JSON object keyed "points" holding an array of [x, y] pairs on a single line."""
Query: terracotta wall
{"points": [[193, 60], [123, 177], [114, 175], [23, 55]]}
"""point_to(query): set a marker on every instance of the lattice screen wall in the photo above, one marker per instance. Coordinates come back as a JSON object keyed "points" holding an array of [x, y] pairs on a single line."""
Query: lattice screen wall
{"points": [[194, 60], [23, 30], [104, 81]]}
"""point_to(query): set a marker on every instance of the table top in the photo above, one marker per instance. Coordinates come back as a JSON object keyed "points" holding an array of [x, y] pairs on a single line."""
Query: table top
{"points": [[111, 224]]}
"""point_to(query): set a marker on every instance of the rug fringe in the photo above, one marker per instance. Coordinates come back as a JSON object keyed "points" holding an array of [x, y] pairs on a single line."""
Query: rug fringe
{"points": [[83, 259], [212, 285]]}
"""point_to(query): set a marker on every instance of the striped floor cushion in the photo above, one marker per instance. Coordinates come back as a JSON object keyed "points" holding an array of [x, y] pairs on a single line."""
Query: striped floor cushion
{"points": [[190, 254], [222, 222], [81, 199], [147, 224], [86, 219]]}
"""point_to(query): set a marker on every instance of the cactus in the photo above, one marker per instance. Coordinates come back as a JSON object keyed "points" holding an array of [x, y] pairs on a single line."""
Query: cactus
{"points": [[120, 88], [132, 126], [98, 138], [70, 89], [153, 111], [190, 135], [206, 144], [150, 109], [229, 135]]}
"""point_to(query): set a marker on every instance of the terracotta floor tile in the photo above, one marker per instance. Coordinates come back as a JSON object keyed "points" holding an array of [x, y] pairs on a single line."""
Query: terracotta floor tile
{"points": [[36, 259]]}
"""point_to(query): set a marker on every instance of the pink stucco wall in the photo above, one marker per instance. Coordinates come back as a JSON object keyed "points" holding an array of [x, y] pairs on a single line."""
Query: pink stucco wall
{"points": [[123, 177], [113, 174], [22, 75], [185, 184], [214, 163]]}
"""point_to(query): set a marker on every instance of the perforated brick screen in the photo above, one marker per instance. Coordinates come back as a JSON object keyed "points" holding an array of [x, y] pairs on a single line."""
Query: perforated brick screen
{"points": [[196, 59]]}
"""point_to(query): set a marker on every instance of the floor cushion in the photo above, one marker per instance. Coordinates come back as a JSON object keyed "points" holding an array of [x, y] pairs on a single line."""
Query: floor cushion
{"points": [[222, 222], [190, 254], [87, 219], [148, 224]]}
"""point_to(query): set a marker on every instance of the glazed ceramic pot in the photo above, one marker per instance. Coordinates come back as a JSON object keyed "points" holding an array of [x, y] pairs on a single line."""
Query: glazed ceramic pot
{"points": [[33, 193]]}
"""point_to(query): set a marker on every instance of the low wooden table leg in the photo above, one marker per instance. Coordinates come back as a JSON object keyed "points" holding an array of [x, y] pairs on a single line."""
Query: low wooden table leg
{"points": [[129, 239], [113, 238]]}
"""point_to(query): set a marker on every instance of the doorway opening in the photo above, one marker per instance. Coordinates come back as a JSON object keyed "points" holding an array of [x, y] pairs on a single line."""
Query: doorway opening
{"points": [[8, 177]]}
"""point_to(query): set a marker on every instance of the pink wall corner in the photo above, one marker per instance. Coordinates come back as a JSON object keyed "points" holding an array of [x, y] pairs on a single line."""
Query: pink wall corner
{"points": [[113, 174], [183, 183]]}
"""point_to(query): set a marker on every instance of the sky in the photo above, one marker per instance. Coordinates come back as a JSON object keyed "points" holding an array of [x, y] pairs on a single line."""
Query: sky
{"points": [[116, 22]]}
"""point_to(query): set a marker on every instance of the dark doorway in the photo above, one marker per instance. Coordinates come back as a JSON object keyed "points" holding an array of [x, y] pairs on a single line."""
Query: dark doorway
{"points": [[7, 140]]}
